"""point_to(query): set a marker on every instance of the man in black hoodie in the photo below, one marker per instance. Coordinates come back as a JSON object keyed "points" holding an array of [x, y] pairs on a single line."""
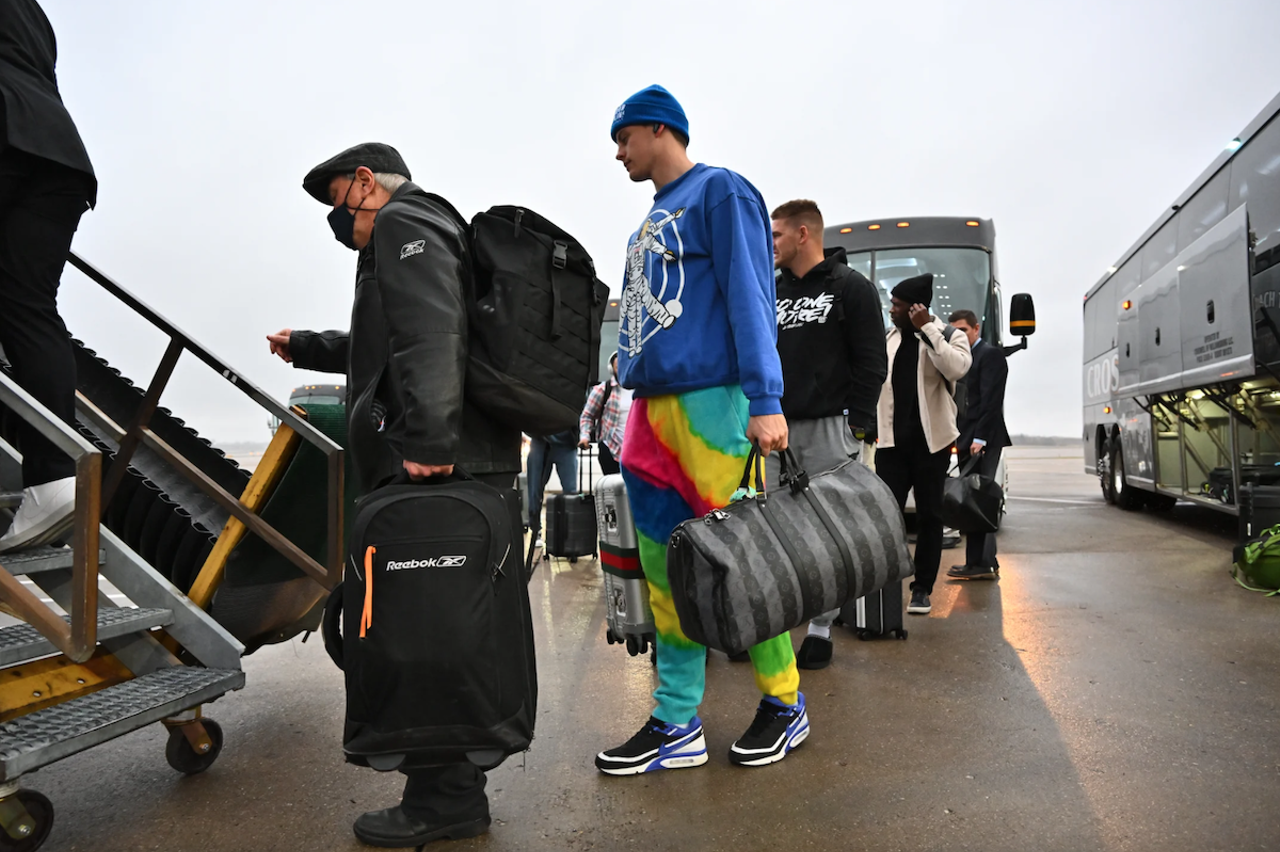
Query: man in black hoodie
{"points": [[832, 345]]}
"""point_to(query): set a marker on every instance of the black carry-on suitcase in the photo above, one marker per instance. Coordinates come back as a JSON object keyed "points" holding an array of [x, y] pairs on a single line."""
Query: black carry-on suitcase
{"points": [[876, 615], [436, 637], [571, 519]]}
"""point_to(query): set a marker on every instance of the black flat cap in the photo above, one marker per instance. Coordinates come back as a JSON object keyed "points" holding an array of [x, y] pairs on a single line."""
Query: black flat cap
{"points": [[918, 290], [375, 156]]}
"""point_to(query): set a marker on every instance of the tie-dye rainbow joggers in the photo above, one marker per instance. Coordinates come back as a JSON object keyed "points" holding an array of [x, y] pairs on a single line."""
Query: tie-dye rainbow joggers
{"points": [[682, 456]]}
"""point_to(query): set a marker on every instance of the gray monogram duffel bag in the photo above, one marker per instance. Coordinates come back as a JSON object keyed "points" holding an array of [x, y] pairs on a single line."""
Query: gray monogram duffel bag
{"points": [[770, 562]]}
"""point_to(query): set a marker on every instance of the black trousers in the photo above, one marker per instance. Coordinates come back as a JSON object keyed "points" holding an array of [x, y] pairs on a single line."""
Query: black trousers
{"points": [[40, 207], [980, 548], [914, 467], [456, 790], [604, 456]]}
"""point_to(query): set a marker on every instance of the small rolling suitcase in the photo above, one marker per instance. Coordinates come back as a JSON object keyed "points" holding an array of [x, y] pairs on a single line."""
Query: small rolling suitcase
{"points": [[876, 615], [571, 520], [626, 591], [431, 626]]}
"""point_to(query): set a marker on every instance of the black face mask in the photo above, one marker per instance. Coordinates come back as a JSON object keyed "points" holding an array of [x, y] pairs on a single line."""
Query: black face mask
{"points": [[343, 221]]}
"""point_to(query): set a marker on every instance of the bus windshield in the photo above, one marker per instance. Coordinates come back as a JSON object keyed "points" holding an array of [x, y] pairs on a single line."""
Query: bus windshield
{"points": [[961, 276]]}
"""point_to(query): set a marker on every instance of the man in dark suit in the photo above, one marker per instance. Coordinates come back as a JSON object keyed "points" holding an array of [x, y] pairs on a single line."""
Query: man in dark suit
{"points": [[46, 183], [983, 434]]}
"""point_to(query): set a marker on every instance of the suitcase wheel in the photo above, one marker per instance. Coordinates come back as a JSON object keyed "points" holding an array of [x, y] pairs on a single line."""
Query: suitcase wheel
{"points": [[573, 560], [610, 638], [900, 633]]}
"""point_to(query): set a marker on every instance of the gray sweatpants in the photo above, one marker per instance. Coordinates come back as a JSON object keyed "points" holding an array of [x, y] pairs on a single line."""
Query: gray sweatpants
{"points": [[818, 445]]}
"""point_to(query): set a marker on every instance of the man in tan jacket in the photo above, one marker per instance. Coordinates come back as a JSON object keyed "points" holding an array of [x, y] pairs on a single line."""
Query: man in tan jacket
{"points": [[916, 419]]}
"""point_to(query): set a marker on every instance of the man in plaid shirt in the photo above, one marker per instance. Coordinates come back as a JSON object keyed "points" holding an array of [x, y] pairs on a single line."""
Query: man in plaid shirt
{"points": [[605, 419]]}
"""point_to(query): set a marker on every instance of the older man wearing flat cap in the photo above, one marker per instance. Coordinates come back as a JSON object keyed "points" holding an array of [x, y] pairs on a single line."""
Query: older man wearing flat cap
{"points": [[916, 419], [404, 358]]}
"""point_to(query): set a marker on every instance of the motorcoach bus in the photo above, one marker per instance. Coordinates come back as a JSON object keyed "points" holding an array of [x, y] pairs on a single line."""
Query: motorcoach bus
{"points": [[1182, 340]]}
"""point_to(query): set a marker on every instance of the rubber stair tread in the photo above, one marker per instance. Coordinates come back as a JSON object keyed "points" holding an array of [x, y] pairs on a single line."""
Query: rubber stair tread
{"points": [[139, 618], [82, 716]]}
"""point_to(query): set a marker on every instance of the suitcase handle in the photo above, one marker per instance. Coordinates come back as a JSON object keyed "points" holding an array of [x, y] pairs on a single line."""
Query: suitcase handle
{"points": [[403, 478], [331, 626]]}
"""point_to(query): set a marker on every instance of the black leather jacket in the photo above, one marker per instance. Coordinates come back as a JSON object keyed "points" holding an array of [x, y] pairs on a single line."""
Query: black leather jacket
{"points": [[405, 355]]}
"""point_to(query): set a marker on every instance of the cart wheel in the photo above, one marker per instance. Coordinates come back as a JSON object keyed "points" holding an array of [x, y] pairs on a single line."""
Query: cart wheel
{"points": [[184, 758], [26, 818]]}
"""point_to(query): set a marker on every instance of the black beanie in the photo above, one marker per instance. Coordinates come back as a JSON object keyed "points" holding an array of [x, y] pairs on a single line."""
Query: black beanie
{"points": [[375, 156], [915, 290]]}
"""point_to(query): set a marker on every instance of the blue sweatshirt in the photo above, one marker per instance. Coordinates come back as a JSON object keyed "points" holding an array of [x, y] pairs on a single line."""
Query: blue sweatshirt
{"points": [[698, 304]]}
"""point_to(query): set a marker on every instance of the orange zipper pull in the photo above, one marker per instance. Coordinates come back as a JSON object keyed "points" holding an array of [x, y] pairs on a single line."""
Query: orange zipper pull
{"points": [[366, 617]]}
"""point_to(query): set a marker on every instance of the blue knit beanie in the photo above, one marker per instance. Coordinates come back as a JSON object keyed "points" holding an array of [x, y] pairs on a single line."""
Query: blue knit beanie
{"points": [[654, 105]]}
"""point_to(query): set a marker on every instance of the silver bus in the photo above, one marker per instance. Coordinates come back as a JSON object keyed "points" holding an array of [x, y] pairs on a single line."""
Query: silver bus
{"points": [[1182, 340]]}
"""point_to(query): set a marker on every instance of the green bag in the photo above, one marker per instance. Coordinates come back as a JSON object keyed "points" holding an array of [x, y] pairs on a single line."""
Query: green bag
{"points": [[1258, 559]]}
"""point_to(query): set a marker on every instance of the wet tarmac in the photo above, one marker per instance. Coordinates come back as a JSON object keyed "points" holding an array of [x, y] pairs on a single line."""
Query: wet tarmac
{"points": [[1115, 690]]}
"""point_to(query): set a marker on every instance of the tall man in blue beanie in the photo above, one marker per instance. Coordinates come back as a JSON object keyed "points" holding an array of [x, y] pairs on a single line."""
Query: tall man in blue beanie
{"points": [[697, 344]]}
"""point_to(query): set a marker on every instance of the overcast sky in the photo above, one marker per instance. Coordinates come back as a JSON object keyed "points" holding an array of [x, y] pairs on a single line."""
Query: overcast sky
{"points": [[1071, 125]]}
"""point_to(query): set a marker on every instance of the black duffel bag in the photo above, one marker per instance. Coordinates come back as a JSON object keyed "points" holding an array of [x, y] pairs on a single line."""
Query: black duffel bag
{"points": [[971, 501], [431, 626], [770, 562]]}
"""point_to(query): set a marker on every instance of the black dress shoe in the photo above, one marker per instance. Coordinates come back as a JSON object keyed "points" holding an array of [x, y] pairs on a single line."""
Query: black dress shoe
{"points": [[973, 572], [815, 653], [394, 828]]}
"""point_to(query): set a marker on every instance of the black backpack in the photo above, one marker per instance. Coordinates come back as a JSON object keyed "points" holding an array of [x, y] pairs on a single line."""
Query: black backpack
{"points": [[437, 652], [535, 316]]}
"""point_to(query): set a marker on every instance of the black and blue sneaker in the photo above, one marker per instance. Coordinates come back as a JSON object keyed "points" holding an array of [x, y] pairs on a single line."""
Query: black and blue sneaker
{"points": [[657, 745], [777, 729]]}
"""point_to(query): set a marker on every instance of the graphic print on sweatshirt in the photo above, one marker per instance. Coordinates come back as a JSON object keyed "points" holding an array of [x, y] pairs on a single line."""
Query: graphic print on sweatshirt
{"points": [[793, 313], [655, 280]]}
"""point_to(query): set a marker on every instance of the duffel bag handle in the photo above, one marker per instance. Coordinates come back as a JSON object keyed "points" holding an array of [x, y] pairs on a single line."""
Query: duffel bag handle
{"points": [[753, 462], [331, 626], [973, 462], [792, 475]]}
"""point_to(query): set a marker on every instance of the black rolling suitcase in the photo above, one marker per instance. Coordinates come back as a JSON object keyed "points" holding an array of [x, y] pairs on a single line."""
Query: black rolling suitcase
{"points": [[876, 615], [571, 519], [436, 636]]}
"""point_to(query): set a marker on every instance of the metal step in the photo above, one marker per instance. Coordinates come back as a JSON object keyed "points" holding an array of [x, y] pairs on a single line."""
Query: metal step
{"points": [[22, 642], [30, 742], [39, 559]]}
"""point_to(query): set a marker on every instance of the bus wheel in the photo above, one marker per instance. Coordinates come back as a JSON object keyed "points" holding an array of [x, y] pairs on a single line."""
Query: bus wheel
{"points": [[1104, 472], [1126, 496]]}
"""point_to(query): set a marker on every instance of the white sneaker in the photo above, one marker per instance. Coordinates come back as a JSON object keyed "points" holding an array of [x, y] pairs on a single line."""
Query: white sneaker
{"points": [[44, 516]]}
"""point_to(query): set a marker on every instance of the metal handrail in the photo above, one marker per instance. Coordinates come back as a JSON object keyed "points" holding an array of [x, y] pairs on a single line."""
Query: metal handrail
{"points": [[130, 436], [78, 638]]}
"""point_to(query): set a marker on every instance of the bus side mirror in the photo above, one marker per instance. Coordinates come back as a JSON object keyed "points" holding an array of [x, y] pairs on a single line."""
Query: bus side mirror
{"points": [[1022, 320], [1022, 315]]}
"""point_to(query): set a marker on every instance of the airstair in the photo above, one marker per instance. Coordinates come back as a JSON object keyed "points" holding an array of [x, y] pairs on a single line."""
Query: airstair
{"points": [[159, 513]]}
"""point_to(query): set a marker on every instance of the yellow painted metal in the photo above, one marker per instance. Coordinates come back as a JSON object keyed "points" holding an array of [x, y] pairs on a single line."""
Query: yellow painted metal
{"points": [[266, 476], [34, 686]]}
